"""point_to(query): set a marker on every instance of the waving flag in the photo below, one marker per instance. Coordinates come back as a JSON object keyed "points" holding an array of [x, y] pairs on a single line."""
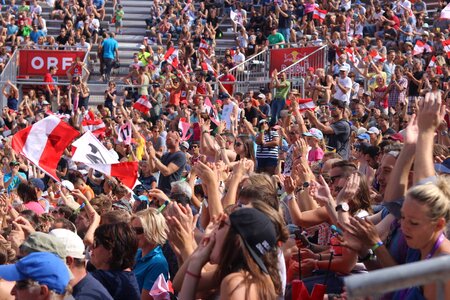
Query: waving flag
{"points": [[44, 142], [446, 45], [376, 56], [184, 128], [319, 14], [305, 104], [445, 13], [433, 64], [171, 57], [212, 112], [95, 125], [236, 17], [421, 47], [204, 46], [351, 55], [143, 105], [206, 66], [90, 151]]}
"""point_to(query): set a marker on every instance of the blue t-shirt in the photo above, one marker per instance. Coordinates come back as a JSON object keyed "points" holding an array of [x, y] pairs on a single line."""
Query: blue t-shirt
{"points": [[90, 288], [15, 182], [109, 45], [98, 3], [12, 103], [121, 285], [149, 267], [11, 29], [35, 35]]}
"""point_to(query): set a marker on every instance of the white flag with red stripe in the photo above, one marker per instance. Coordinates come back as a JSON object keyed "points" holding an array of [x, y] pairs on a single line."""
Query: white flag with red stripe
{"points": [[351, 55], [319, 14], [171, 57], [432, 63], [204, 46], [95, 125], [236, 17], [184, 128], [143, 105], [306, 104], [90, 151], [44, 142]]}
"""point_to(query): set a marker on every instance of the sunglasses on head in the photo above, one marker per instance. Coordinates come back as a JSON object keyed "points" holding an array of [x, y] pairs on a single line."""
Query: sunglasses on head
{"points": [[138, 230]]}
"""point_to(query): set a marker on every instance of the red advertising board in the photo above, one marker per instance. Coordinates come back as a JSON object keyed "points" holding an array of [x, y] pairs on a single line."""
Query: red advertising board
{"points": [[283, 58], [37, 62]]}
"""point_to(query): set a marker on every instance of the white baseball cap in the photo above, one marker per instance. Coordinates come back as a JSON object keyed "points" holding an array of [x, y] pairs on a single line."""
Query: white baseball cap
{"points": [[73, 243], [373, 130]]}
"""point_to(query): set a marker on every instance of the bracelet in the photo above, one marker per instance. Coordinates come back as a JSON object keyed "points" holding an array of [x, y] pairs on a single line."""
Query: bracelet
{"points": [[193, 275], [320, 256], [162, 207], [205, 131], [367, 257], [376, 246]]}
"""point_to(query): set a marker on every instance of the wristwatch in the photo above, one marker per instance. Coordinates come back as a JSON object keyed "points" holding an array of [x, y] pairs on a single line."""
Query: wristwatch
{"points": [[343, 207]]}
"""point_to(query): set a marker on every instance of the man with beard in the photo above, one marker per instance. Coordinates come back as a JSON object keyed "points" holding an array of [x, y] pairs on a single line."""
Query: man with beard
{"points": [[338, 131], [171, 164]]}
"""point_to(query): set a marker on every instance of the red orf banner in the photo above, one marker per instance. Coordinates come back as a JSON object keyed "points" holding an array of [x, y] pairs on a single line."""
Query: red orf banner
{"points": [[37, 62], [283, 58]]}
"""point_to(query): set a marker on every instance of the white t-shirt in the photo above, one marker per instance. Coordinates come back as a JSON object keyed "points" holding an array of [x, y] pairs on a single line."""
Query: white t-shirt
{"points": [[347, 83]]}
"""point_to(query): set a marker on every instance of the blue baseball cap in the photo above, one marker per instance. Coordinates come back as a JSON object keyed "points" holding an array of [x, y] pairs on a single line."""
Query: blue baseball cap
{"points": [[364, 136], [314, 132], [43, 267]]}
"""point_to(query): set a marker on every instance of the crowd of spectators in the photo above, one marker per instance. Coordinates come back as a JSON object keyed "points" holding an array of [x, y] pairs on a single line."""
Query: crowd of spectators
{"points": [[239, 193]]}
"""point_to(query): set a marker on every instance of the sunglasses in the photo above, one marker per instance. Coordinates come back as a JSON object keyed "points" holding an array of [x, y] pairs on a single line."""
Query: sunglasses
{"points": [[237, 144], [334, 178], [138, 230]]}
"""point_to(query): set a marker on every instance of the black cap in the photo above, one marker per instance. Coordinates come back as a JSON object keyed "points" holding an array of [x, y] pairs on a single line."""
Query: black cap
{"points": [[257, 231]]}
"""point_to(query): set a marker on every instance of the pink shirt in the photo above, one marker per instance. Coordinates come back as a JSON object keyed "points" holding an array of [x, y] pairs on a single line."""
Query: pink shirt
{"points": [[315, 154], [35, 206]]}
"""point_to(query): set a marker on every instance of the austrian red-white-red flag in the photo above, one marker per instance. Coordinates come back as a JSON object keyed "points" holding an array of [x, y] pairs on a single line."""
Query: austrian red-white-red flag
{"points": [[433, 64], [446, 45], [319, 14], [95, 125], [90, 151], [421, 47], [206, 66], [305, 104], [143, 104], [351, 55], [376, 56], [203, 46], [171, 57], [44, 142]]}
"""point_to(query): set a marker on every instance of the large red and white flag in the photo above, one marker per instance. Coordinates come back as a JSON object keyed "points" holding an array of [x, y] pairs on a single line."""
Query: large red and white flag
{"points": [[433, 64], [351, 55], [319, 14], [44, 142], [171, 57], [184, 127], [305, 104], [143, 105], [204, 47], [90, 151], [95, 125]]}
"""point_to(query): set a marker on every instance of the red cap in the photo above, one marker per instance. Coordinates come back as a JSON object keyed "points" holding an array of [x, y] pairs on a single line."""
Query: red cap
{"points": [[184, 101], [219, 102], [311, 69], [397, 137]]}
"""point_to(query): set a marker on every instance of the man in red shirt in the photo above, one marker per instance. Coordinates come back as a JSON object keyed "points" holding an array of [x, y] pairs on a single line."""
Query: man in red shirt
{"points": [[50, 89], [228, 77]]}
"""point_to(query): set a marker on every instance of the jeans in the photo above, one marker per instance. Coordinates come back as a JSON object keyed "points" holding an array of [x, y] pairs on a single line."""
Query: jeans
{"points": [[286, 32], [277, 106], [108, 67]]}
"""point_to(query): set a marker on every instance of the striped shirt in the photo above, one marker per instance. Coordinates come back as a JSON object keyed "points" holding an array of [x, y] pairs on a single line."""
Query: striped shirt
{"points": [[268, 152]]}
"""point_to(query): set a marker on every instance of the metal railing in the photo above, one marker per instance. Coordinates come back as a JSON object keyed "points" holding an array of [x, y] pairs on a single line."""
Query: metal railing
{"points": [[379, 282], [9, 73], [296, 71]]}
